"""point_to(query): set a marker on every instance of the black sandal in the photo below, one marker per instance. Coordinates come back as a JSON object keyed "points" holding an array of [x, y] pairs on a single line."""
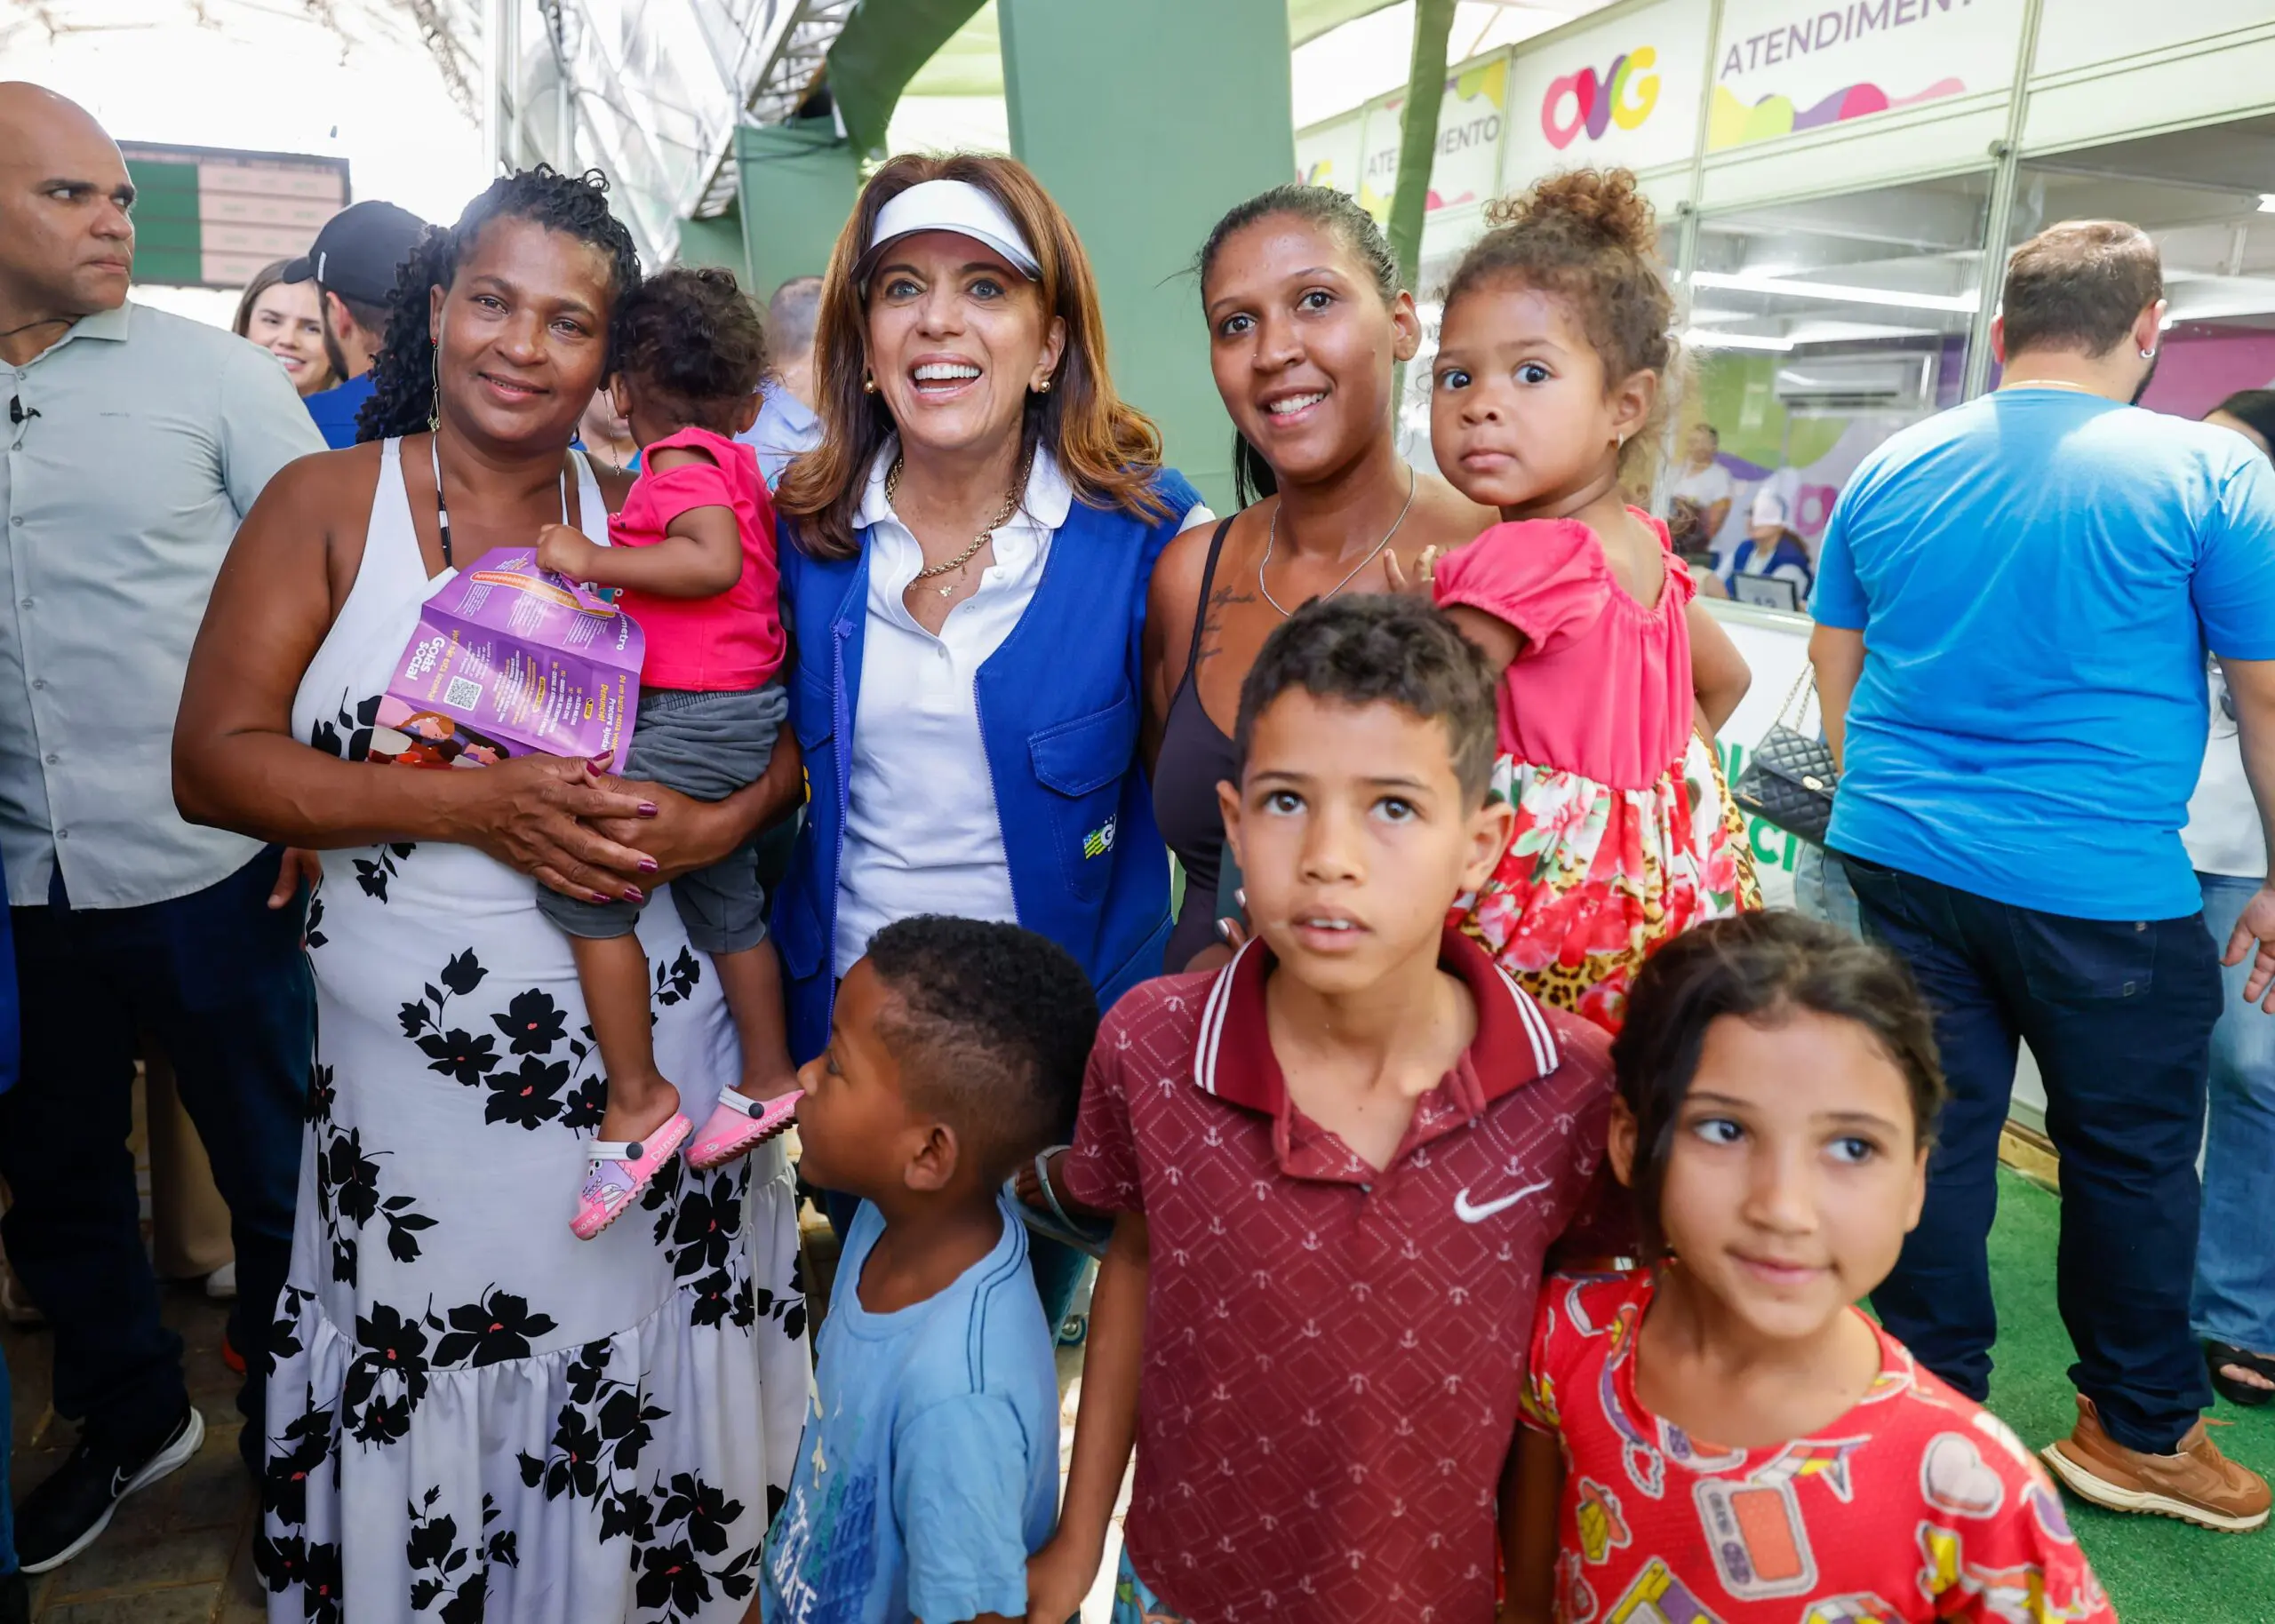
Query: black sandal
{"points": [[2217, 1354]]}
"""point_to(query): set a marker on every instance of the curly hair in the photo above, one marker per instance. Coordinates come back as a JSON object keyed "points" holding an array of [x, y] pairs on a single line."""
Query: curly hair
{"points": [[402, 377], [993, 1031], [1761, 967], [695, 340], [1330, 210], [1380, 650], [1590, 238]]}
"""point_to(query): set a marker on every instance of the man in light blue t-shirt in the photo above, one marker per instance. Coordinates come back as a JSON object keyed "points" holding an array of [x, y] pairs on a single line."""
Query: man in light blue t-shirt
{"points": [[2013, 603]]}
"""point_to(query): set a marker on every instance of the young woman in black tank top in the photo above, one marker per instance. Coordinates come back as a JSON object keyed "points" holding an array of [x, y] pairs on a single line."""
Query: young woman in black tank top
{"points": [[1307, 324]]}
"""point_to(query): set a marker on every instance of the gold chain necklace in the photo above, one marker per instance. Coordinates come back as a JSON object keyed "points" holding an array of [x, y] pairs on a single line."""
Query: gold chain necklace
{"points": [[1010, 505]]}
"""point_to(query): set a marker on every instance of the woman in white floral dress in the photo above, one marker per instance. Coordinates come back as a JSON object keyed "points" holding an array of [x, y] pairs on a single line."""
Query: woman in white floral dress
{"points": [[475, 1415]]}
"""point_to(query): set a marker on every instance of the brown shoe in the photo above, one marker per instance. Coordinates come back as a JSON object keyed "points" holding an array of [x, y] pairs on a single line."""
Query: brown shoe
{"points": [[2196, 1483]]}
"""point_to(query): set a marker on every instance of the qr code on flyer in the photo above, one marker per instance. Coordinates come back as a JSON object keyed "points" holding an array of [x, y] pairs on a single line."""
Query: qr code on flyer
{"points": [[462, 694]]}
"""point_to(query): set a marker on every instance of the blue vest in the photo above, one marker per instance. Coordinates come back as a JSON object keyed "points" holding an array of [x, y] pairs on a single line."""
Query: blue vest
{"points": [[1059, 707]]}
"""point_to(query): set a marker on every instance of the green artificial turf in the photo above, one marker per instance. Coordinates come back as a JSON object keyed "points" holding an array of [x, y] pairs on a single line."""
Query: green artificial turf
{"points": [[2157, 1571]]}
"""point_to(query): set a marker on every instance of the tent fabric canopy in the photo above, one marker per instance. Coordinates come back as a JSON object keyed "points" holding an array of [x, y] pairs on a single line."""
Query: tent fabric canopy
{"points": [[893, 48]]}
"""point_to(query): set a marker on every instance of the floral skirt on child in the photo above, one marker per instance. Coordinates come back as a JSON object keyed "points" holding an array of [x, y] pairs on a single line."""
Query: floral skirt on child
{"points": [[1594, 878]]}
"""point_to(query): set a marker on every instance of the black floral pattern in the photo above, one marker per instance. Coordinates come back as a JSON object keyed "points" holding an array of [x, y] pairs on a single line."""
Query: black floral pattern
{"points": [[456, 1575], [373, 873], [348, 734], [528, 1096], [693, 1521], [388, 1378], [533, 1022], [675, 981], [348, 1196], [598, 1438], [499, 1327], [689, 1545], [301, 1451]]}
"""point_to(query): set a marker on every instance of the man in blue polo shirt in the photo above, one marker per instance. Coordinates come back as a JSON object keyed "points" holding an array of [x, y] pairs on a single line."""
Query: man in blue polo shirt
{"points": [[2013, 603], [354, 263]]}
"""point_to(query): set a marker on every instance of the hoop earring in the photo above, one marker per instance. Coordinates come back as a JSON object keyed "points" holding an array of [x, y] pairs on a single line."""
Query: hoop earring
{"points": [[2148, 355]]}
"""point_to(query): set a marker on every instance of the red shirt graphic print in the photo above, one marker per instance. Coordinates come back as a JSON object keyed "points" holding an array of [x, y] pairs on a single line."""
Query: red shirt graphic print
{"points": [[1917, 1504]]}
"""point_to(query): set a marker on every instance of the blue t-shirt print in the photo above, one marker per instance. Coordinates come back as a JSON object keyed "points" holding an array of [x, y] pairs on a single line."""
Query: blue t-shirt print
{"points": [[929, 1469], [2037, 575]]}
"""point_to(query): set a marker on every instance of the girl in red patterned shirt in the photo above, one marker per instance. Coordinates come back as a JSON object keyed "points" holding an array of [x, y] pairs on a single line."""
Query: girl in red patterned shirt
{"points": [[1723, 1436]]}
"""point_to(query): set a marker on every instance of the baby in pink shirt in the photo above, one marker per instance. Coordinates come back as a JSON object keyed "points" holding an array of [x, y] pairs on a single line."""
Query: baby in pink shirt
{"points": [[694, 552]]}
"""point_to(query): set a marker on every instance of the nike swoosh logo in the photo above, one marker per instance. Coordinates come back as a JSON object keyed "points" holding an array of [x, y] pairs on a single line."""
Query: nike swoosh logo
{"points": [[1470, 1213], [120, 1478]]}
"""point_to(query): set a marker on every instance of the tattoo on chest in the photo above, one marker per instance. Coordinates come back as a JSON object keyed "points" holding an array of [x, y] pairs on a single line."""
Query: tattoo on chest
{"points": [[1212, 621]]}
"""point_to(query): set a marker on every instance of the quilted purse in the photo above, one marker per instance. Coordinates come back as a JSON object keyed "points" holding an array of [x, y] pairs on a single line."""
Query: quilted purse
{"points": [[1789, 778]]}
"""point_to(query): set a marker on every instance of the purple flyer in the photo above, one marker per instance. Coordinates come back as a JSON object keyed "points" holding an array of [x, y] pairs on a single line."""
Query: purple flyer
{"points": [[512, 660]]}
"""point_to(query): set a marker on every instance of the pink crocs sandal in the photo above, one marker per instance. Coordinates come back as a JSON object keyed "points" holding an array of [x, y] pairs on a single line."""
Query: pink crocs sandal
{"points": [[740, 1124], [620, 1170]]}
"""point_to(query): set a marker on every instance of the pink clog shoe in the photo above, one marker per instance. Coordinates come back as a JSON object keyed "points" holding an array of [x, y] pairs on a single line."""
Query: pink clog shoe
{"points": [[739, 1124], [619, 1170]]}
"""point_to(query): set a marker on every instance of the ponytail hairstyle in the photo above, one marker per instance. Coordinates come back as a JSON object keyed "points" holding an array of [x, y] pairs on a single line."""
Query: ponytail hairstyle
{"points": [[403, 376], [1590, 238], [1109, 450], [1329, 211]]}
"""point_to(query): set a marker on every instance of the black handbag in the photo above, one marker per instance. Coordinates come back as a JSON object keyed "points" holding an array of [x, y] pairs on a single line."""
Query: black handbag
{"points": [[1789, 778]]}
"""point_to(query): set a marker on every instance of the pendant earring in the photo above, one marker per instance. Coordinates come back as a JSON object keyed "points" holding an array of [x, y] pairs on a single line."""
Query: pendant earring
{"points": [[434, 409], [868, 384]]}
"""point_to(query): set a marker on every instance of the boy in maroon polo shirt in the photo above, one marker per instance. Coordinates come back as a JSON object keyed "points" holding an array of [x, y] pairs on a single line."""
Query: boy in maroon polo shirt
{"points": [[1335, 1167]]}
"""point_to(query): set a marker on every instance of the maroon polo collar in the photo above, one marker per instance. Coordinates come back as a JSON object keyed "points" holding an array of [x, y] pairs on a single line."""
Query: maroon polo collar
{"points": [[1233, 1057]]}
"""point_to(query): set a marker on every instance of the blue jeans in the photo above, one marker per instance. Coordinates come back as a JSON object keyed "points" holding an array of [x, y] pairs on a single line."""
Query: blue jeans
{"points": [[220, 979], [2118, 1015], [1822, 891], [2234, 1301]]}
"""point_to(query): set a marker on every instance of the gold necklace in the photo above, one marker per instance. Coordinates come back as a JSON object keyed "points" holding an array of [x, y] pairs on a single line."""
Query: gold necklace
{"points": [[1010, 505]]}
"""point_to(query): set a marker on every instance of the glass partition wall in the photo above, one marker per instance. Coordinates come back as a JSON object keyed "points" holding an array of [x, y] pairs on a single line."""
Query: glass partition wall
{"points": [[1818, 329], [2207, 196]]}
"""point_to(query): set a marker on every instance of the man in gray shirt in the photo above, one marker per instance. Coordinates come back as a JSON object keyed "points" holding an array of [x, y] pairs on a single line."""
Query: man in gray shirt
{"points": [[135, 441]]}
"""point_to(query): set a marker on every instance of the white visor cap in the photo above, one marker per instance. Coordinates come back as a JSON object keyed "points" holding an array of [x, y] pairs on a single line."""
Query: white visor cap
{"points": [[948, 206]]}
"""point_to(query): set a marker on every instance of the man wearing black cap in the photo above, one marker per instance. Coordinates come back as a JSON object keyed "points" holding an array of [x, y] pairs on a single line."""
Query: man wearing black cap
{"points": [[353, 262]]}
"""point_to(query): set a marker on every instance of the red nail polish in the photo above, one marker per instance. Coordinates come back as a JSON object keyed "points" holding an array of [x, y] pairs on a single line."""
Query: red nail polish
{"points": [[632, 894], [648, 866], [647, 809], [601, 896]]}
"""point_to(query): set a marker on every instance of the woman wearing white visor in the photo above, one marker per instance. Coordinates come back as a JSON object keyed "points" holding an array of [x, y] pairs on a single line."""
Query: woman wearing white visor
{"points": [[965, 561]]}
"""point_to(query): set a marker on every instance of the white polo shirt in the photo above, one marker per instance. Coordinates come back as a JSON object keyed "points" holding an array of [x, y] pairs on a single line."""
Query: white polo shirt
{"points": [[119, 499]]}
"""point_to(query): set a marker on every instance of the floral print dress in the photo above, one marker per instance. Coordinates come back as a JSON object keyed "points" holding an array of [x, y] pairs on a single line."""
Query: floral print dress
{"points": [[475, 1415], [1625, 834]]}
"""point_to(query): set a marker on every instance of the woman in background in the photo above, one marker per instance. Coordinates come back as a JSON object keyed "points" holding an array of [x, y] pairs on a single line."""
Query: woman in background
{"points": [[2234, 1305], [283, 319]]}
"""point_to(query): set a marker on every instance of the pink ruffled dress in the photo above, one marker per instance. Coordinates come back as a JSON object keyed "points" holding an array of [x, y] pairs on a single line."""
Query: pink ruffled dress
{"points": [[1625, 834]]}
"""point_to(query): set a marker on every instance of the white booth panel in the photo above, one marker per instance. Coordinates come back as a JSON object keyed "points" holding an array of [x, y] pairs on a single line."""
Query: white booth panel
{"points": [[2208, 82], [1914, 145], [2073, 34], [1622, 90]]}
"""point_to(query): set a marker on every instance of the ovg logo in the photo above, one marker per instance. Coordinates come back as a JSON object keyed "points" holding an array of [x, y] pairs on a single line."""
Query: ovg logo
{"points": [[1623, 95]]}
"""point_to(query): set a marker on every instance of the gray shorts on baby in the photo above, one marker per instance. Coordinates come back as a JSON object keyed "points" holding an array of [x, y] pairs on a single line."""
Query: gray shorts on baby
{"points": [[707, 745]]}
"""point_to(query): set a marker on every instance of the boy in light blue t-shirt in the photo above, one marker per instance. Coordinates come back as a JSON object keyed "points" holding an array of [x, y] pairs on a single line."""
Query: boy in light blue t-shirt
{"points": [[929, 1470]]}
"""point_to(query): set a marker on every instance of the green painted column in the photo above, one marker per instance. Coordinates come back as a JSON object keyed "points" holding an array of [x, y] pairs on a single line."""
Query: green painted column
{"points": [[1148, 122], [799, 181]]}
